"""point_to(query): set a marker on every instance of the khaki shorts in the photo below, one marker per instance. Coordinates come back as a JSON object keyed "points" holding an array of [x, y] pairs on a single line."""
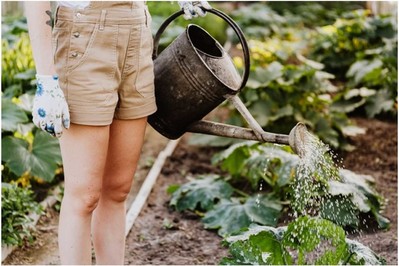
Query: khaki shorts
{"points": [[102, 54]]}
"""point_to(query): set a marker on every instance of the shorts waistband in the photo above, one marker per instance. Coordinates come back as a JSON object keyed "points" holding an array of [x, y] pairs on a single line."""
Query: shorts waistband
{"points": [[107, 14]]}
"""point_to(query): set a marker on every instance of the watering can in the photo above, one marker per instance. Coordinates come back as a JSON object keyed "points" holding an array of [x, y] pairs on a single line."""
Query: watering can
{"points": [[194, 75]]}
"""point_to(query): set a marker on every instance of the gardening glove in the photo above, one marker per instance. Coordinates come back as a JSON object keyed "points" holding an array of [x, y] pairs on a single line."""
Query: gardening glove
{"points": [[50, 109], [193, 8]]}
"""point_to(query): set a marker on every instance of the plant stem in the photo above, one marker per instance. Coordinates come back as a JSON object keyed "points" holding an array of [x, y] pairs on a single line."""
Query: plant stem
{"points": [[241, 193]]}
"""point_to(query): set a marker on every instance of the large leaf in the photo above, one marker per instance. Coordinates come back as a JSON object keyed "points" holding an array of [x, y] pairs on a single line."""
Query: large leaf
{"points": [[11, 115], [352, 99], [232, 159], [360, 254], [230, 216], [259, 245], [263, 76], [305, 234], [40, 159], [340, 210], [381, 102], [201, 193], [363, 184], [272, 163], [349, 197], [360, 69]]}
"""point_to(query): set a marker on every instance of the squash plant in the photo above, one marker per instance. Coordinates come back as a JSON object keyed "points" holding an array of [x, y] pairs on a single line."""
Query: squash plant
{"points": [[268, 174], [306, 240], [252, 166], [360, 49], [337, 45]]}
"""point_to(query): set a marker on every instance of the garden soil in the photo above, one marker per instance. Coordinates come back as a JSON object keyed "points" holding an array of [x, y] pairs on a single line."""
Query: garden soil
{"points": [[163, 236]]}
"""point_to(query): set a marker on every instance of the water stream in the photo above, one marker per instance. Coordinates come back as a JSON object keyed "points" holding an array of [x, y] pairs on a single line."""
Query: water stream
{"points": [[313, 172]]}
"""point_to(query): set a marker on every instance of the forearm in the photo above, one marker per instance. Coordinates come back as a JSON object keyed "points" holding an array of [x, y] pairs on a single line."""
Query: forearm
{"points": [[40, 36]]}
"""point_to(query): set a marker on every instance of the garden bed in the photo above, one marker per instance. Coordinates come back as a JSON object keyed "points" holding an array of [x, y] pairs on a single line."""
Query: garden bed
{"points": [[161, 235], [164, 236]]}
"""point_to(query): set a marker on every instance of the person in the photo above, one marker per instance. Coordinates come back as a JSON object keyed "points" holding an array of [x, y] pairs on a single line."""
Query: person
{"points": [[96, 91]]}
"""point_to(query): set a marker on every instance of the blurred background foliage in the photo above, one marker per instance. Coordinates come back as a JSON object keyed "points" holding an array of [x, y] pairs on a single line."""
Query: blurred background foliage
{"points": [[315, 62]]}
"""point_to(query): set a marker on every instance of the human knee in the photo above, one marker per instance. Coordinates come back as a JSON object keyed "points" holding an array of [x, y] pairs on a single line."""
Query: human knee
{"points": [[84, 203], [117, 192]]}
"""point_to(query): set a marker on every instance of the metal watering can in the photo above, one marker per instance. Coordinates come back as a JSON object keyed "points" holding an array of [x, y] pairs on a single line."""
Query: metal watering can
{"points": [[194, 75]]}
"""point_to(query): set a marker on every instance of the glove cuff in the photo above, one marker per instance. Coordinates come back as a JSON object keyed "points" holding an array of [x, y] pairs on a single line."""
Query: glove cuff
{"points": [[46, 77]]}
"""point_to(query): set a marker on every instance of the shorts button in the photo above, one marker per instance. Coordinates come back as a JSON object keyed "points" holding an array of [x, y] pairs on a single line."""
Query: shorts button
{"points": [[76, 34], [78, 15], [74, 54]]}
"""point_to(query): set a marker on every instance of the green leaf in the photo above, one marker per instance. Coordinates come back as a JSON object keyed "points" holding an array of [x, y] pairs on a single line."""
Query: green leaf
{"points": [[25, 101], [40, 160], [362, 255], [352, 130], [352, 99], [172, 188], [232, 216], [366, 194], [271, 163], [11, 115], [16, 205], [350, 196], [360, 69], [340, 210], [201, 193], [232, 159], [311, 63], [381, 102], [29, 74], [356, 196], [259, 245], [305, 234], [263, 76]]}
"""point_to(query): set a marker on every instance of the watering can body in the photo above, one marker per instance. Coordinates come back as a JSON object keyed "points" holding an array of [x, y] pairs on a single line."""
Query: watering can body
{"points": [[193, 75]]}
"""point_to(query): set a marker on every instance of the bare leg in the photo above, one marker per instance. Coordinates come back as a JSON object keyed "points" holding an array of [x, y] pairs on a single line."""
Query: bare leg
{"points": [[84, 151], [108, 225]]}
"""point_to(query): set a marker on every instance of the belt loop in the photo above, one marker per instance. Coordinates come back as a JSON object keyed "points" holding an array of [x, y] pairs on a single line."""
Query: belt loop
{"points": [[55, 16], [146, 17], [102, 19]]}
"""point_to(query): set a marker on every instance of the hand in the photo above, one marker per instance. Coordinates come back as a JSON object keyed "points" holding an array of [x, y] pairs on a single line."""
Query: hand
{"points": [[50, 109], [193, 8]]}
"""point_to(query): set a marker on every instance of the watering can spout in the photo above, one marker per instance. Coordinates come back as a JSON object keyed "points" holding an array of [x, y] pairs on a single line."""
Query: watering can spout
{"points": [[295, 139]]}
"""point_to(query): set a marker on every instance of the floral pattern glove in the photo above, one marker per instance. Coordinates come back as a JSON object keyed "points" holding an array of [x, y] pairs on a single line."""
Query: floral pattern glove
{"points": [[193, 9], [50, 109]]}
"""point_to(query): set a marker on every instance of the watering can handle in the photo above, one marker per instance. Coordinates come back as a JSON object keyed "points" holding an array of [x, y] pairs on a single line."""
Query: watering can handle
{"points": [[229, 21]]}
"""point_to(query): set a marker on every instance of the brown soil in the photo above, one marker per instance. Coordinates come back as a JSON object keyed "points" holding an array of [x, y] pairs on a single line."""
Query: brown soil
{"points": [[376, 154], [163, 236], [151, 242]]}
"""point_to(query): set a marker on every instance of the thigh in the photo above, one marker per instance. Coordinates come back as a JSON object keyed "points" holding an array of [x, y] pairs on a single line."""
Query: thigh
{"points": [[125, 143], [84, 152]]}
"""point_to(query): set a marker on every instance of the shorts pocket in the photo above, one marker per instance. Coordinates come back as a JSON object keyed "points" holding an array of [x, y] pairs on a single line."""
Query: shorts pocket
{"points": [[91, 78], [145, 73]]}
